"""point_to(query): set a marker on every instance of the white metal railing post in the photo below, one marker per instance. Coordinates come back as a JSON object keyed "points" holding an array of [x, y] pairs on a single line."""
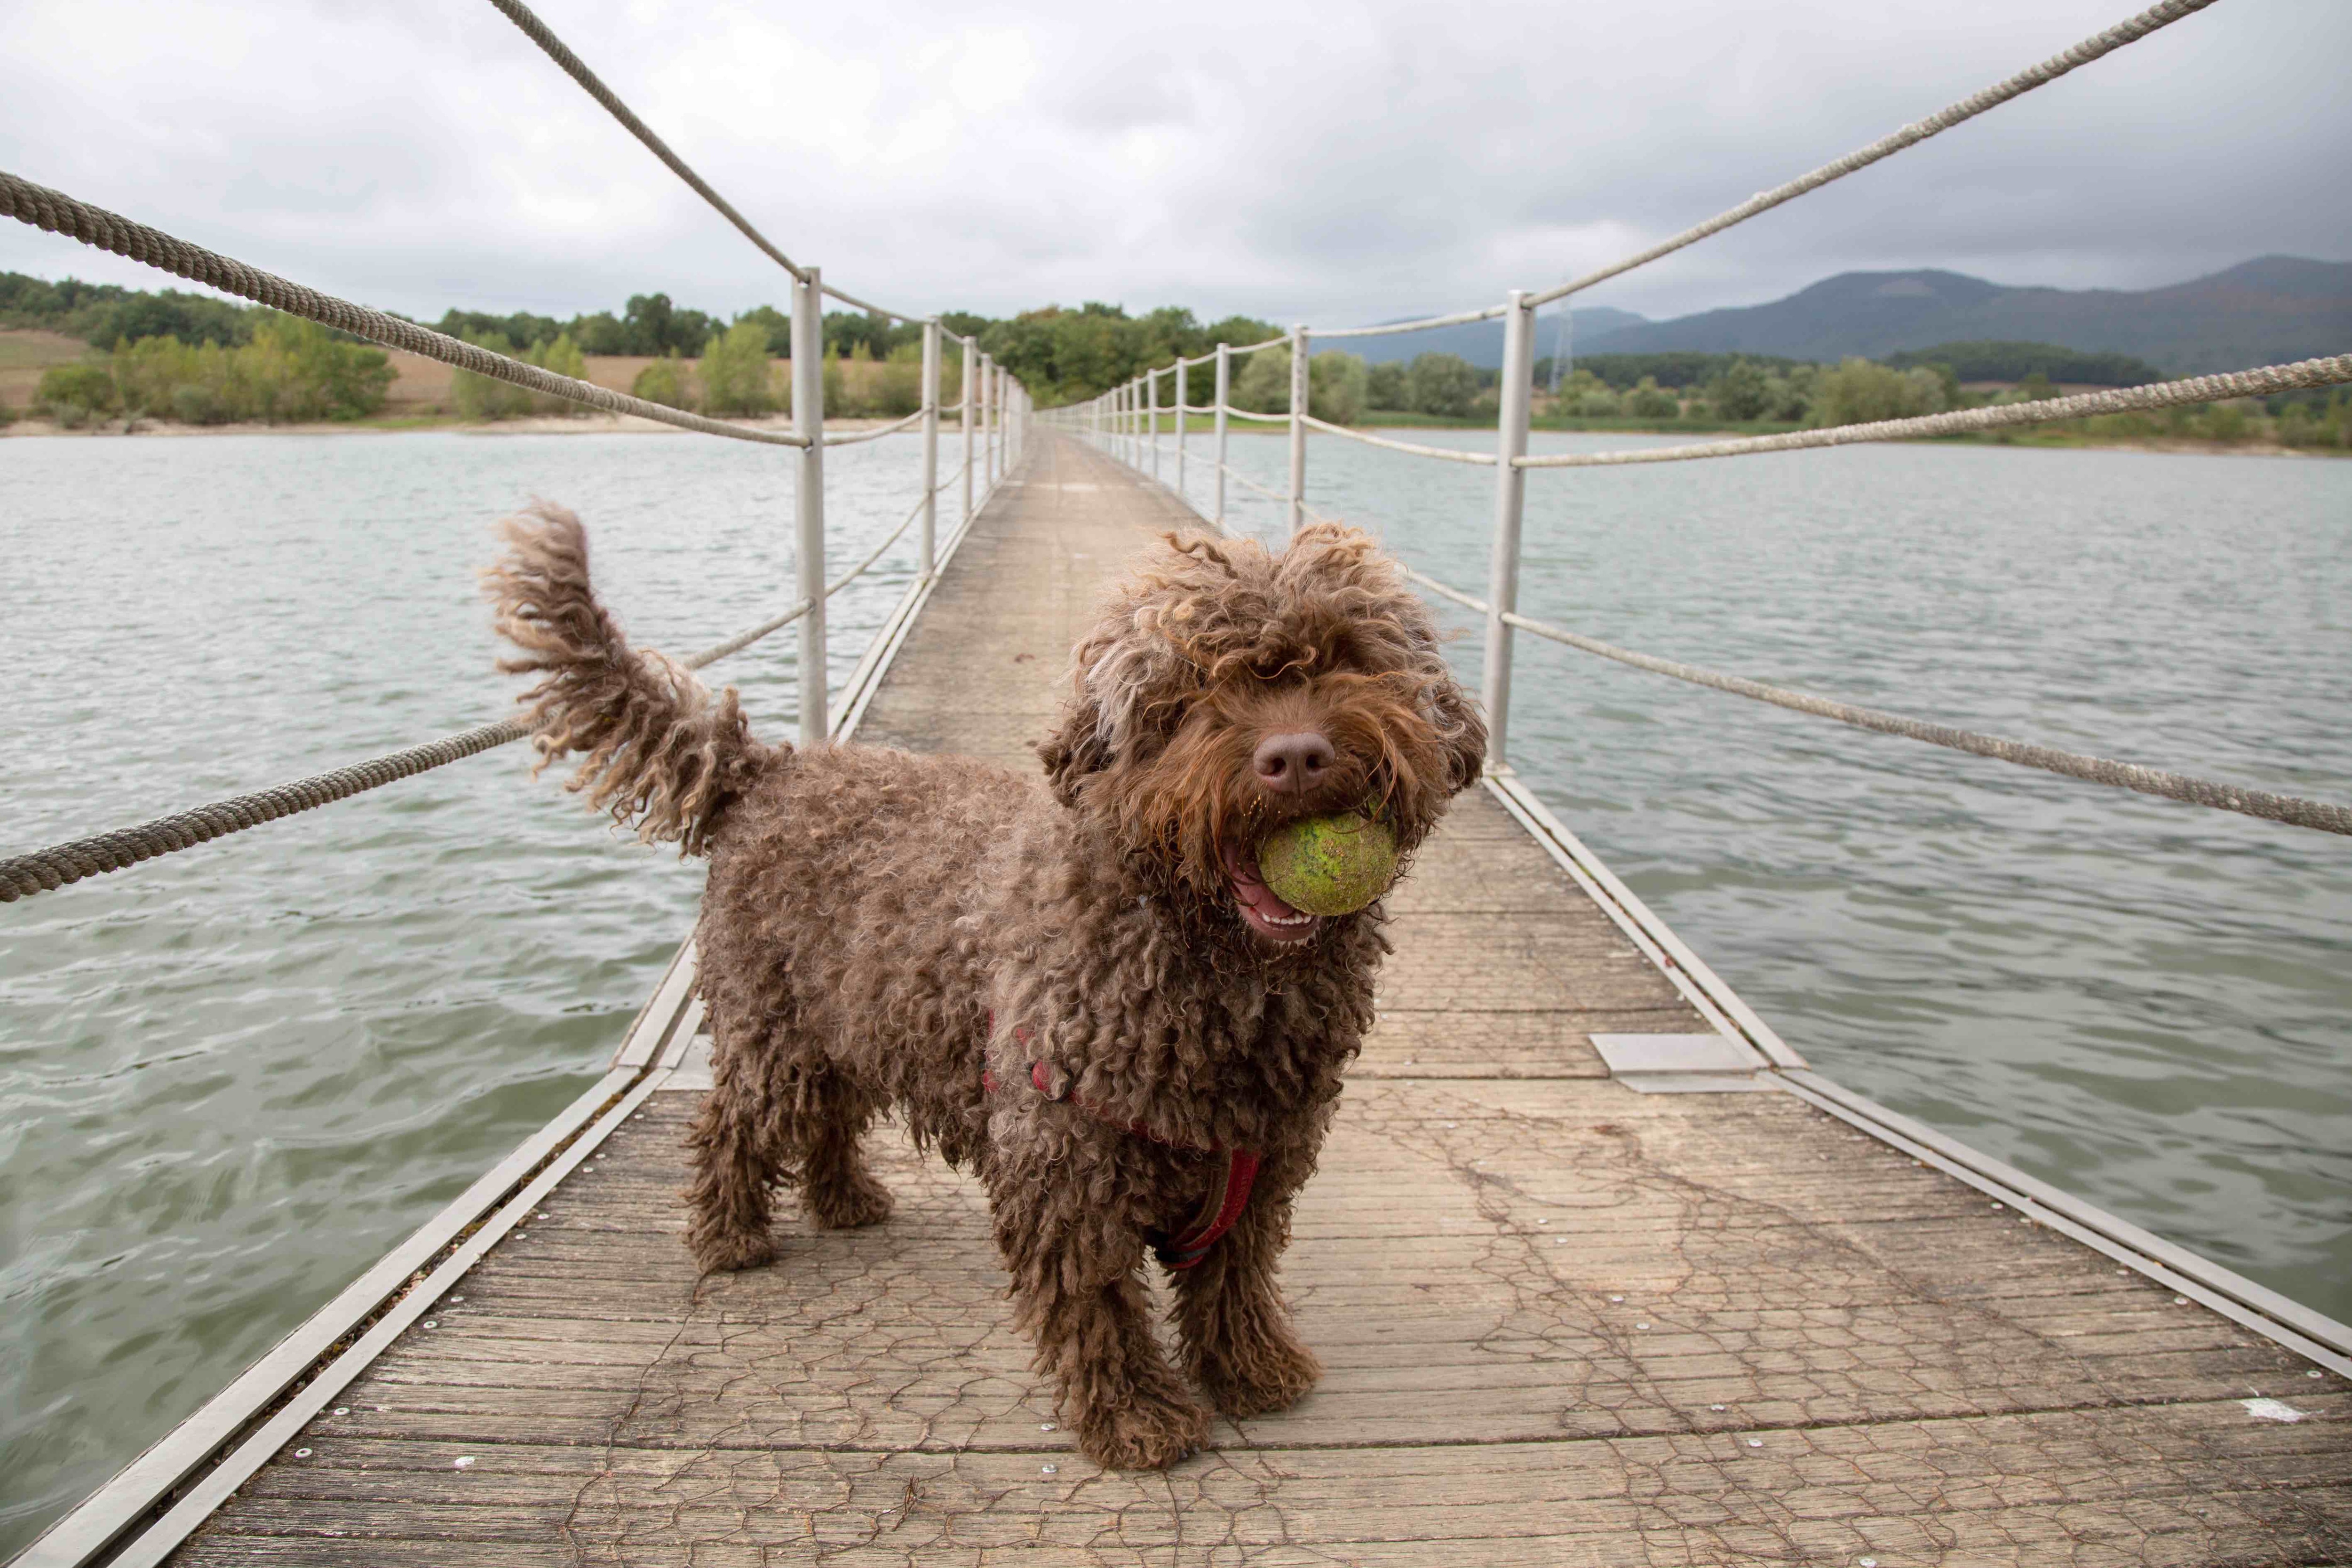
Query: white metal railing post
{"points": [[1510, 504], [987, 423], [1004, 440], [1224, 386], [1152, 403], [1183, 416], [970, 376], [930, 446], [808, 422], [1297, 428]]}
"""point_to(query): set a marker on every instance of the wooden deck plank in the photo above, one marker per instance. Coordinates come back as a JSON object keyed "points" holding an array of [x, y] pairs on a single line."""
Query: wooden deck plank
{"points": [[1562, 1322]]}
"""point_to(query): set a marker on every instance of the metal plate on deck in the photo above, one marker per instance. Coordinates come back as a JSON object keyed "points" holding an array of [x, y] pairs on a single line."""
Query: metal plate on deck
{"points": [[1679, 1063]]}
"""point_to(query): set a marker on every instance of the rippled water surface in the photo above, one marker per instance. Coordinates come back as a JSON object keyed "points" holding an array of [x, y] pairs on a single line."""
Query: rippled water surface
{"points": [[229, 1080], [2146, 1003]]}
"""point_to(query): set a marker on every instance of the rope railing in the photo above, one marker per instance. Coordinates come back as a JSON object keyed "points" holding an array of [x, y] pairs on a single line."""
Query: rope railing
{"points": [[1444, 454], [852, 437], [538, 33], [555, 48], [46, 871], [2025, 81], [58, 213], [2126, 32], [1383, 330], [2288, 808], [1999, 416]]}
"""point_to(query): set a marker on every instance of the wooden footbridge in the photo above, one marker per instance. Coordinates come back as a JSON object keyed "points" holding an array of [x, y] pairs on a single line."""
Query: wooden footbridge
{"points": [[1566, 1319], [1600, 1272]]}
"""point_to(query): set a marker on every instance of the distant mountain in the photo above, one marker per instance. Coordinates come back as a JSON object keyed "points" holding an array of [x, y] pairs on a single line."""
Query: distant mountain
{"points": [[2272, 309], [1481, 342]]}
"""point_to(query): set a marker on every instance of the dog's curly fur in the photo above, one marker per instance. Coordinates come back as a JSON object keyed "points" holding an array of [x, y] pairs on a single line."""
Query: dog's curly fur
{"points": [[878, 923]]}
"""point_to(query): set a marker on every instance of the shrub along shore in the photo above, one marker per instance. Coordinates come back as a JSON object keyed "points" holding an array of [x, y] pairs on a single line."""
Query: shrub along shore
{"points": [[170, 358]]}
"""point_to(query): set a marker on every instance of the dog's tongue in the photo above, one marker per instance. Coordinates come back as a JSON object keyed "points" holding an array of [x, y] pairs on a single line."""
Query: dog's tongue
{"points": [[1242, 874]]}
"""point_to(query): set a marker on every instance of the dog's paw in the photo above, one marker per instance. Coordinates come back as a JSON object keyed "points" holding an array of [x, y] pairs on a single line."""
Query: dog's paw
{"points": [[725, 1252], [1273, 1373], [1143, 1434], [846, 1206]]}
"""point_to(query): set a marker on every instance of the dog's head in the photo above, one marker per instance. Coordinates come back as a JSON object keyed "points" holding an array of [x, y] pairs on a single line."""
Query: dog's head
{"points": [[1227, 690]]}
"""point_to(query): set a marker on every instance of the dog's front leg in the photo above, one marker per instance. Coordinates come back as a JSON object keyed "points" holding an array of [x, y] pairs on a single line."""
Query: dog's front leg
{"points": [[1076, 1292], [1234, 1328]]}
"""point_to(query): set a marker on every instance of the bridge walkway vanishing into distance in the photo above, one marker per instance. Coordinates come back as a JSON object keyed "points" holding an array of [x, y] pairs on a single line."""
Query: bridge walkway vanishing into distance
{"points": [[1600, 1271], [1563, 1321]]}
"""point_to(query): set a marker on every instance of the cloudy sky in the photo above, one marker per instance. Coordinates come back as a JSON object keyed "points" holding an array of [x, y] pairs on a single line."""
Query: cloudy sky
{"points": [[1332, 162]]}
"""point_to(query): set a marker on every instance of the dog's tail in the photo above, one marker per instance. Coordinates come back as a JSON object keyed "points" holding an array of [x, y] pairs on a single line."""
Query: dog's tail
{"points": [[660, 750]]}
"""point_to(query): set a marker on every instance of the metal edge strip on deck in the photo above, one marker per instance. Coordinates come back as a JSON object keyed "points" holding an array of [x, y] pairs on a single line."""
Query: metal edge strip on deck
{"points": [[101, 1527], [1700, 986], [2292, 1324], [166, 1536], [101, 1519], [2279, 1318]]}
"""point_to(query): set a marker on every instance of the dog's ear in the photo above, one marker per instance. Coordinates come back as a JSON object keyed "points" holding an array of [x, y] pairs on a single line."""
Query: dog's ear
{"points": [[1463, 730], [1074, 749]]}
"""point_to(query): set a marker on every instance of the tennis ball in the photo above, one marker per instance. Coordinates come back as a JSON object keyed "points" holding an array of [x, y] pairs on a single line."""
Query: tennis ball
{"points": [[1328, 865]]}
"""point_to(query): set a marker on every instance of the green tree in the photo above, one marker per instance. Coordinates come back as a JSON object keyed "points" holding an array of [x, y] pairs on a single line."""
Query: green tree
{"points": [[735, 370], [562, 357], [1792, 394], [1335, 385], [664, 381], [776, 324], [601, 334], [75, 394], [487, 397], [1649, 401], [1859, 392], [1384, 386], [1442, 384], [1741, 391]]}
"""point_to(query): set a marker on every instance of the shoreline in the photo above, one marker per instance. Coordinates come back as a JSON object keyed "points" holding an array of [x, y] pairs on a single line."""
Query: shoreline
{"points": [[26, 427]]}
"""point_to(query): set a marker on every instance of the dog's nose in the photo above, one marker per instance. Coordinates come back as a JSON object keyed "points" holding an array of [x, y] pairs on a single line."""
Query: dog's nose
{"points": [[1294, 763]]}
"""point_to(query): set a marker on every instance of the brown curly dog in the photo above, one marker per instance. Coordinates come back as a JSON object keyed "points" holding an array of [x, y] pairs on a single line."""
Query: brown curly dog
{"points": [[1077, 987]]}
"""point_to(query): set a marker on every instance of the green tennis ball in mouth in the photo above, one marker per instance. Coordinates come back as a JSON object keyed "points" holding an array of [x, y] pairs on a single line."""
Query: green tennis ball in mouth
{"points": [[1328, 865]]}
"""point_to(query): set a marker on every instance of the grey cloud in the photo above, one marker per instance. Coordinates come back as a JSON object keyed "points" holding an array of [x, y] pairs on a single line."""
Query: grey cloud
{"points": [[1328, 163]]}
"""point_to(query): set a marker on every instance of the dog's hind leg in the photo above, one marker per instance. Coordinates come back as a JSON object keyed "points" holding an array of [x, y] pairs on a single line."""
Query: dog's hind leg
{"points": [[729, 1203], [822, 1127]]}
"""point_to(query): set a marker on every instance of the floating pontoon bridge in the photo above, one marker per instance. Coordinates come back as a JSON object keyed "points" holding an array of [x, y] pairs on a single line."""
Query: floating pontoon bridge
{"points": [[1601, 1270]]}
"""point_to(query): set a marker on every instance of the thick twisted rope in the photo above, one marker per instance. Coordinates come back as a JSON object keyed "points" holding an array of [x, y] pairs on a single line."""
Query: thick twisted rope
{"points": [[1445, 454], [2289, 808], [538, 33], [2326, 816], [1969, 107], [60, 214], [2117, 400], [46, 871]]}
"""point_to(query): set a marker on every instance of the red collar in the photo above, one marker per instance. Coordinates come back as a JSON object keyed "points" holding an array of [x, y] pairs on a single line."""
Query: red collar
{"points": [[1228, 1194]]}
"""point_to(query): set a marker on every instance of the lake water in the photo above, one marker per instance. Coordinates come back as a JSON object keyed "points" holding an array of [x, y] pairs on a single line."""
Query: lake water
{"points": [[230, 1078]]}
